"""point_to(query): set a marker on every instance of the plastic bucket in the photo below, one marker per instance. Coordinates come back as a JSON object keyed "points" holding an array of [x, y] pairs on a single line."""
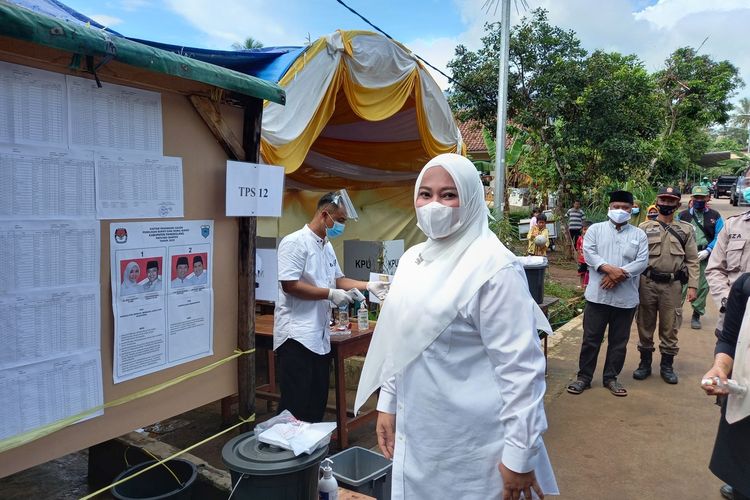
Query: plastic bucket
{"points": [[363, 471], [157, 483], [271, 473]]}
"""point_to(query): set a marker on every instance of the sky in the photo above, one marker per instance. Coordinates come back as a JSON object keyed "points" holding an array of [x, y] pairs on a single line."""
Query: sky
{"points": [[650, 29]]}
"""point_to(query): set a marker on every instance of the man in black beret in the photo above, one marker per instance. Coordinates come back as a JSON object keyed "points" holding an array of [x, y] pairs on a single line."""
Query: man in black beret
{"points": [[616, 253]]}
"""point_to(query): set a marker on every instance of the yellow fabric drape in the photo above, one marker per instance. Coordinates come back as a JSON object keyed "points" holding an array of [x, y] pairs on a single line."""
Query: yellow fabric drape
{"points": [[372, 104], [375, 104]]}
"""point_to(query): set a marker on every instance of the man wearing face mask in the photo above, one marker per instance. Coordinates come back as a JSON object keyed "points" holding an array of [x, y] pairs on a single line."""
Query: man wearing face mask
{"points": [[673, 261], [707, 223], [310, 279], [617, 254]]}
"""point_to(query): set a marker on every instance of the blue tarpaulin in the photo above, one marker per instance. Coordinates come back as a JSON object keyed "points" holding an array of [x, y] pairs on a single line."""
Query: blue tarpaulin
{"points": [[268, 63]]}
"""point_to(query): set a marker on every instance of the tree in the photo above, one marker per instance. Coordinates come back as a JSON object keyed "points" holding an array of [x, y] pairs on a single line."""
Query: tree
{"points": [[586, 116], [741, 120], [695, 91], [249, 44]]}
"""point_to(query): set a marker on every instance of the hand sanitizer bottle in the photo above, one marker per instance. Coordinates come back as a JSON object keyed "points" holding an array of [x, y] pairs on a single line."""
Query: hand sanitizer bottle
{"points": [[363, 319], [328, 488]]}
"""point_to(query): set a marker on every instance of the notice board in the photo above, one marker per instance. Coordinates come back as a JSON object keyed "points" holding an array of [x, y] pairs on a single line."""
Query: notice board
{"points": [[185, 136]]}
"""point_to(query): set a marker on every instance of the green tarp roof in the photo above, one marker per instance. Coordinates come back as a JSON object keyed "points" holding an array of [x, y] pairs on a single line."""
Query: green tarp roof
{"points": [[17, 22]]}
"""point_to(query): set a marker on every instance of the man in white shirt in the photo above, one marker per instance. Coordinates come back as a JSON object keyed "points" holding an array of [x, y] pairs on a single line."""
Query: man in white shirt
{"points": [[182, 271], [310, 279], [616, 253], [199, 277], [153, 283]]}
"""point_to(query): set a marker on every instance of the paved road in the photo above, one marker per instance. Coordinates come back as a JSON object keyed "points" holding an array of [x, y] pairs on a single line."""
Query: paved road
{"points": [[653, 444]]}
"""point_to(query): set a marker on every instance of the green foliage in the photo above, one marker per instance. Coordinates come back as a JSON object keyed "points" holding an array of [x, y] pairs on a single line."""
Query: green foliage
{"points": [[595, 120], [248, 44]]}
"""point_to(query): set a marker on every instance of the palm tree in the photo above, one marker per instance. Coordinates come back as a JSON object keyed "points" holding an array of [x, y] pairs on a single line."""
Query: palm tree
{"points": [[249, 44], [741, 117]]}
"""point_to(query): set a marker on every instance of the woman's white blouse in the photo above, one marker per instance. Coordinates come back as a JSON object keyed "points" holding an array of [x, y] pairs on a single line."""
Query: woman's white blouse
{"points": [[472, 399]]}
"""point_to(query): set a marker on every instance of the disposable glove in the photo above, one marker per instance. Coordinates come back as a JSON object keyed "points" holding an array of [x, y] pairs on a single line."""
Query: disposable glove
{"points": [[378, 288], [339, 296], [703, 254]]}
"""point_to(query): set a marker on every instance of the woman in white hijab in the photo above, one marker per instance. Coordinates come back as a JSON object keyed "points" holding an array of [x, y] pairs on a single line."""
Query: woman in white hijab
{"points": [[457, 356], [130, 279]]}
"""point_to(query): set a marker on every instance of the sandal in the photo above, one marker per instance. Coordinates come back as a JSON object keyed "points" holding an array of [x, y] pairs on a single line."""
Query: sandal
{"points": [[578, 386], [616, 388]]}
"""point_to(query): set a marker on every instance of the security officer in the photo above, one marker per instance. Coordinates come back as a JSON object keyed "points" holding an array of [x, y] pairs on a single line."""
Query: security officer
{"points": [[706, 223], [729, 259], [672, 261]]}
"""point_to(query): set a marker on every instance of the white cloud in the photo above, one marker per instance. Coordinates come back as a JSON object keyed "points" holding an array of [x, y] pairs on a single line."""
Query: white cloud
{"points": [[229, 21], [106, 20], [651, 34]]}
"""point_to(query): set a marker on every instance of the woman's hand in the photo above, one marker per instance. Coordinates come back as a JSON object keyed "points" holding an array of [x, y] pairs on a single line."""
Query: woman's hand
{"points": [[515, 483], [386, 431], [713, 390], [722, 368]]}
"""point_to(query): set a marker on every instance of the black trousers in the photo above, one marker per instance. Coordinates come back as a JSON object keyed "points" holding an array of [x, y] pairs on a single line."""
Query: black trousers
{"points": [[303, 377], [596, 318], [574, 234]]}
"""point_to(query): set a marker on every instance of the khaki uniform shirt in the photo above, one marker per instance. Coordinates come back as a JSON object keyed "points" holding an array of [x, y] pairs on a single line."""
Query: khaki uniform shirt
{"points": [[665, 252], [730, 257]]}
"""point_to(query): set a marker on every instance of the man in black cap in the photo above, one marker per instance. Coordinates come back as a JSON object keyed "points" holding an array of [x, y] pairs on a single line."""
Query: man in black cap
{"points": [[152, 273], [182, 271], [616, 253], [673, 261]]}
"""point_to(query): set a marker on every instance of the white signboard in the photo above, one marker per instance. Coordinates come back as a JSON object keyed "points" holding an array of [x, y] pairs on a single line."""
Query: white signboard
{"points": [[254, 190], [266, 275], [162, 294]]}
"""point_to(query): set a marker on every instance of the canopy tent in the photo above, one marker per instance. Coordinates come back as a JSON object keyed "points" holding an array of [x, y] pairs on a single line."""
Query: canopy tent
{"points": [[361, 112]]}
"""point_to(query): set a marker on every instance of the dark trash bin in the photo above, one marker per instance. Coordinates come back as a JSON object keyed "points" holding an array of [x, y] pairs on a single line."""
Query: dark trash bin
{"points": [[269, 472], [535, 277], [158, 483]]}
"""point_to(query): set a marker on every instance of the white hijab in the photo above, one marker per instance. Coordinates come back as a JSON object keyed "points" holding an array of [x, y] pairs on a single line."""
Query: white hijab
{"points": [[129, 286], [434, 281]]}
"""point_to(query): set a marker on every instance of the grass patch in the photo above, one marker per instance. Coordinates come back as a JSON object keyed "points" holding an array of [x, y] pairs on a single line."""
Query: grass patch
{"points": [[571, 300]]}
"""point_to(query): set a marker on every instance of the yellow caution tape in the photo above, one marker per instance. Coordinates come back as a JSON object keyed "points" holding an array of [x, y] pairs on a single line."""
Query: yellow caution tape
{"points": [[27, 437], [175, 455]]}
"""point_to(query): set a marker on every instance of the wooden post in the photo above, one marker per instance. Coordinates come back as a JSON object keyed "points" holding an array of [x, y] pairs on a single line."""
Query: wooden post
{"points": [[246, 268]]}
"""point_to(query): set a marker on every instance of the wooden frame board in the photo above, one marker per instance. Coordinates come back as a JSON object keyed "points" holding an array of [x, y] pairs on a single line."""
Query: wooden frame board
{"points": [[204, 164]]}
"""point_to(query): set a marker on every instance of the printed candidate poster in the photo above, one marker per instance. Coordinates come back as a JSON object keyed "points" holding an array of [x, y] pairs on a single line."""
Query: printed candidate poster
{"points": [[162, 294]]}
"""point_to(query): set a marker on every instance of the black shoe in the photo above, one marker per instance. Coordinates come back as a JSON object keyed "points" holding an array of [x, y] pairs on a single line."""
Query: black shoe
{"points": [[644, 368], [727, 492], [667, 372], [695, 322]]}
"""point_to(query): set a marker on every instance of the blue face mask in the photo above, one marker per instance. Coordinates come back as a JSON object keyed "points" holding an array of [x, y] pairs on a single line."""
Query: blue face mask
{"points": [[746, 193], [335, 231], [635, 210], [699, 204]]}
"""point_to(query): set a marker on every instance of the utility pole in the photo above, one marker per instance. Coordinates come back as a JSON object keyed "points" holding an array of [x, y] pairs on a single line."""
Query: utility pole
{"points": [[502, 111]]}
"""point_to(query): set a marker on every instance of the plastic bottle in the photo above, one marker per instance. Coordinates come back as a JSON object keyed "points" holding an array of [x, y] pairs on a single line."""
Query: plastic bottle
{"points": [[732, 386], [363, 317], [328, 488]]}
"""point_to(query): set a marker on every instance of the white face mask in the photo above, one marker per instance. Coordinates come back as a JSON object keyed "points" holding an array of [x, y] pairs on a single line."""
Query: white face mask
{"points": [[437, 220], [618, 215]]}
